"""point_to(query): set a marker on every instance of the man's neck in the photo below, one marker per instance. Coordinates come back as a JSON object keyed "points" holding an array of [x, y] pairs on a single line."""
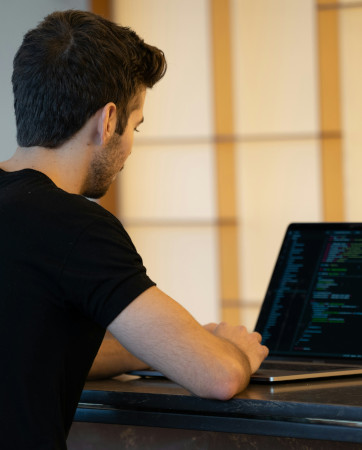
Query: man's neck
{"points": [[66, 166]]}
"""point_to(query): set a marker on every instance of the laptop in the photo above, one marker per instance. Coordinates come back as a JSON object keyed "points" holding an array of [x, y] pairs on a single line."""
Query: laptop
{"points": [[311, 317]]}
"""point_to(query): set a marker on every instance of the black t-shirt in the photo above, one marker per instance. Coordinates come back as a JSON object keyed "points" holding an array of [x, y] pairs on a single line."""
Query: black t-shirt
{"points": [[67, 269]]}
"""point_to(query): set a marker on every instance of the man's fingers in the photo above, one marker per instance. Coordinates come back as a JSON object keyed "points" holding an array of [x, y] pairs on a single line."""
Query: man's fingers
{"points": [[210, 327], [258, 336], [266, 350]]}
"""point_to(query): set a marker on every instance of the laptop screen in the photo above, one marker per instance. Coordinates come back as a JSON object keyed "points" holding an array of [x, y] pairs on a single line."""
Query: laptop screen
{"points": [[313, 305]]}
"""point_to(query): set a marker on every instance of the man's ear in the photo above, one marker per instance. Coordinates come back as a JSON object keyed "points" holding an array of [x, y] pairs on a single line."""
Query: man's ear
{"points": [[107, 122]]}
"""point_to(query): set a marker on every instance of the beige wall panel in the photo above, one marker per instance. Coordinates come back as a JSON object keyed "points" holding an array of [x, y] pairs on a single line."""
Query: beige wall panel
{"points": [[182, 104], [278, 183], [250, 315], [183, 263], [275, 72], [169, 183], [351, 105]]}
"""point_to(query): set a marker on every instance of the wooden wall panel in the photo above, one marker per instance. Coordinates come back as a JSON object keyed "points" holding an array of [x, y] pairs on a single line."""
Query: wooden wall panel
{"points": [[167, 192], [225, 161], [110, 200], [330, 111], [101, 7]]}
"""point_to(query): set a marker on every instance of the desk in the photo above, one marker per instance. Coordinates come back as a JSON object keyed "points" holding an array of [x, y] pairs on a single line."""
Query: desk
{"points": [[128, 412]]}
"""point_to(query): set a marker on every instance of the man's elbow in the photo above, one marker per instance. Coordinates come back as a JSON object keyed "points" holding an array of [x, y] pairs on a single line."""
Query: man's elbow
{"points": [[227, 384], [230, 387]]}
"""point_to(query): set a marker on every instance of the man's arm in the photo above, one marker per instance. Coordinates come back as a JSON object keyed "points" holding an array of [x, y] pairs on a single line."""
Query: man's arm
{"points": [[113, 359], [215, 364]]}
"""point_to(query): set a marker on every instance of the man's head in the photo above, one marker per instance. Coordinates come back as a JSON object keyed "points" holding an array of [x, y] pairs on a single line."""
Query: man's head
{"points": [[69, 67]]}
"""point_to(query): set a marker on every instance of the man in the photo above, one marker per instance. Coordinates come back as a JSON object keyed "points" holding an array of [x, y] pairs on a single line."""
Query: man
{"points": [[69, 271]]}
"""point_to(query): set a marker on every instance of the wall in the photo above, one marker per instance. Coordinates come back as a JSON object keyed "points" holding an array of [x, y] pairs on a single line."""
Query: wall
{"points": [[292, 81], [16, 18], [290, 141], [167, 192]]}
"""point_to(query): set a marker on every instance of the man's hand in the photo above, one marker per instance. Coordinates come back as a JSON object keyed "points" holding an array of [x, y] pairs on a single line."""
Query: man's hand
{"points": [[248, 343]]}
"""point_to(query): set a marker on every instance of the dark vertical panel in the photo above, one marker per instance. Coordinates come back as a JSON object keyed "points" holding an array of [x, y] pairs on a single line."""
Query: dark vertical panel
{"points": [[110, 200]]}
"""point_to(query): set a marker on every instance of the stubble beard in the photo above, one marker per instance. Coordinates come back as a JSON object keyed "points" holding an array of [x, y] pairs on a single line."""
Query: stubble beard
{"points": [[103, 170]]}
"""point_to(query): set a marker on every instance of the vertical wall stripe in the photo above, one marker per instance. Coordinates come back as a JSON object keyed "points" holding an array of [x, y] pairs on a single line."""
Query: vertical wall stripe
{"points": [[101, 7], [225, 160], [109, 201], [330, 112]]}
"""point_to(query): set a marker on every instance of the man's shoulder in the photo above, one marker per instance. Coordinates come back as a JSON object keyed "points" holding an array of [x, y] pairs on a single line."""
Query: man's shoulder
{"points": [[32, 195]]}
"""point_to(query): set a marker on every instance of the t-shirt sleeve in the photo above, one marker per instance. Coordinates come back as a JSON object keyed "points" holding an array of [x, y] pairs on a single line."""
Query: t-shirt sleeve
{"points": [[103, 273]]}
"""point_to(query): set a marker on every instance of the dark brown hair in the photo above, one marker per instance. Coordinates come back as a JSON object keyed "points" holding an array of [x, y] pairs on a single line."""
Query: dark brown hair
{"points": [[70, 66]]}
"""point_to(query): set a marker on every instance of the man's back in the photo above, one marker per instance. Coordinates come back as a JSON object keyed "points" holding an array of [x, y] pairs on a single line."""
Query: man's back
{"points": [[51, 323]]}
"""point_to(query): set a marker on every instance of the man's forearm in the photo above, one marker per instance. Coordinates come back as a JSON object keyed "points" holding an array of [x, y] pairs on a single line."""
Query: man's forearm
{"points": [[113, 359], [214, 364]]}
